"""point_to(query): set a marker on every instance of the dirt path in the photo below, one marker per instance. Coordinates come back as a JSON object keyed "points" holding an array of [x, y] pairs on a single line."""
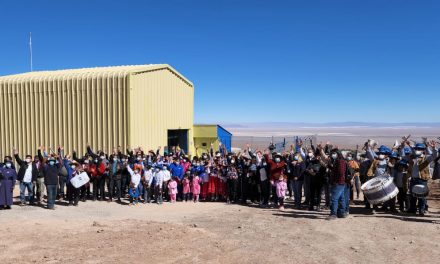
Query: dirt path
{"points": [[98, 232]]}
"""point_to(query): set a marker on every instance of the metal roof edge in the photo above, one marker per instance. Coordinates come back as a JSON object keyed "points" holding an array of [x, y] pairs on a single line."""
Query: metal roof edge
{"points": [[156, 67]]}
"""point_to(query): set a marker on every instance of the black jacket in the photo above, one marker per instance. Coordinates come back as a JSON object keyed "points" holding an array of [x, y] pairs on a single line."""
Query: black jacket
{"points": [[51, 172], [24, 167]]}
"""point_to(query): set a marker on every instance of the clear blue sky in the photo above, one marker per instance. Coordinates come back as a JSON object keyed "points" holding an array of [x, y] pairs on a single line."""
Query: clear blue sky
{"points": [[293, 61]]}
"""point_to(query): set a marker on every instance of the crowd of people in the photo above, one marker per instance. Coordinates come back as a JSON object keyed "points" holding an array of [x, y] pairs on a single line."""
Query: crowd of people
{"points": [[260, 177]]}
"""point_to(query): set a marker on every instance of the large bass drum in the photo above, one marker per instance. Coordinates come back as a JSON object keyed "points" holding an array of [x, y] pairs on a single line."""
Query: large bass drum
{"points": [[380, 189]]}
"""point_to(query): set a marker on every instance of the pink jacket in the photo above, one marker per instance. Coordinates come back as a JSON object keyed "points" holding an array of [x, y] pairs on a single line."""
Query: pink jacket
{"points": [[196, 185], [185, 166], [186, 187], [172, 187], [281, 188]]}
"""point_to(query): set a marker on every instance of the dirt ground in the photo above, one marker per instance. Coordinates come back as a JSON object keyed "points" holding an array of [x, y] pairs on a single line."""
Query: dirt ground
{"points": [[101, 232]]}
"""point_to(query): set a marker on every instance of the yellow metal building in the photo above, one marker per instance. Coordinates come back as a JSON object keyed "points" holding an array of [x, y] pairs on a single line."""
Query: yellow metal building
{"points": [[141, 105], [205, 134]]}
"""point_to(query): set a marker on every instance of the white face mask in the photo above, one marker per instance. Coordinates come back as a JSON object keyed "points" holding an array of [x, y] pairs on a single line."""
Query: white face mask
{"points": [[419, 153], [73, 166], [102, 157], [86, 161], [277, 160], [349, 158], [334, 156], [381, 156], [232, 161], [310, 155], [8, 165]]}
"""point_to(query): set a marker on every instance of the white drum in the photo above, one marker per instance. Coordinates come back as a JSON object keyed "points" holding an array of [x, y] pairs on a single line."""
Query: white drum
{"points": [[420, 191], [379, 189], [79, 180]]}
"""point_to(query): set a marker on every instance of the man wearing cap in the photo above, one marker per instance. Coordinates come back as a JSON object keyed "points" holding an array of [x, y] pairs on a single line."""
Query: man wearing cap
{"points": [[400, 175], [379, 165], [418, 169], [27, 174]]}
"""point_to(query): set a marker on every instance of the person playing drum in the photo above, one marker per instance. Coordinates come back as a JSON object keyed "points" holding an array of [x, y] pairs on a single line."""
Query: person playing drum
{"points": [[379, 165], [418, 170]]}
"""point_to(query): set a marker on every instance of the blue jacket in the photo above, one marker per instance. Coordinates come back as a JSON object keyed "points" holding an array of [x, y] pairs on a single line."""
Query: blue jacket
{"points": [[176, 171], [66, 164]]}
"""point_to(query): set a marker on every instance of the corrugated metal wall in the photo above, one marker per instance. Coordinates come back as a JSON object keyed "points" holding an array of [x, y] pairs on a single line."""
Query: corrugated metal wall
{"points": [[160, 100], [68, 110]]}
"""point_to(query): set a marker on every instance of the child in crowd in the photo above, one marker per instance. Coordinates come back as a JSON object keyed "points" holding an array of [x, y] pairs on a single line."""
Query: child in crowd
{"points": [[186, 190], [134, 184], [196, 188], [172, 190], [281, 187]]}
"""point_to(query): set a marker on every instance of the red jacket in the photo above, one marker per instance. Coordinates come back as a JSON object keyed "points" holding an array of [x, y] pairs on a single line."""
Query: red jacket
{"points": [[338, 172], [275, 168], [96, 171]]}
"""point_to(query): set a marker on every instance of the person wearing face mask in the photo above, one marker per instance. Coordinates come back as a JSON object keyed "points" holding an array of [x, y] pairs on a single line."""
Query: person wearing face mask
{"points": [[400, 176], [307, 156], [276, 168], [99, 173], [297, 169], [262, 174], [39, 187], [418, 170], [97, 170], [73, 194], [232, 182], [316, 170], [85, 165], [115, 178], [27, 174], [8, 177], [379, 165], [51, 169], [177, 171], [158, 180], [134, 183], [353, 167]]}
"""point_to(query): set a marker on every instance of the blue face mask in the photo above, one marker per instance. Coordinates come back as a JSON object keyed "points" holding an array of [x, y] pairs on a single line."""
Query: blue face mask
{"points": [[51, 163]]}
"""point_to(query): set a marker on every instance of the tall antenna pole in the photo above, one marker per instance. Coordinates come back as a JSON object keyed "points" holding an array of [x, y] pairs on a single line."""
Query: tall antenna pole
{"points": [[30, 48]]}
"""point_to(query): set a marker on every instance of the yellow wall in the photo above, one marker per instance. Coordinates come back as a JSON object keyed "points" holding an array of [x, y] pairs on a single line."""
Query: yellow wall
{"points": [[79, 106], [205, 134], [205, 131], [159, 100], [63, 110]]}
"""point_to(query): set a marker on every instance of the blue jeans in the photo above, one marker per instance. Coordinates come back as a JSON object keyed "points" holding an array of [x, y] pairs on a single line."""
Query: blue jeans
{"points": [[51, 195], [347, 197], [29, 187], [62, 184], [297, 191], [337, 198]]}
